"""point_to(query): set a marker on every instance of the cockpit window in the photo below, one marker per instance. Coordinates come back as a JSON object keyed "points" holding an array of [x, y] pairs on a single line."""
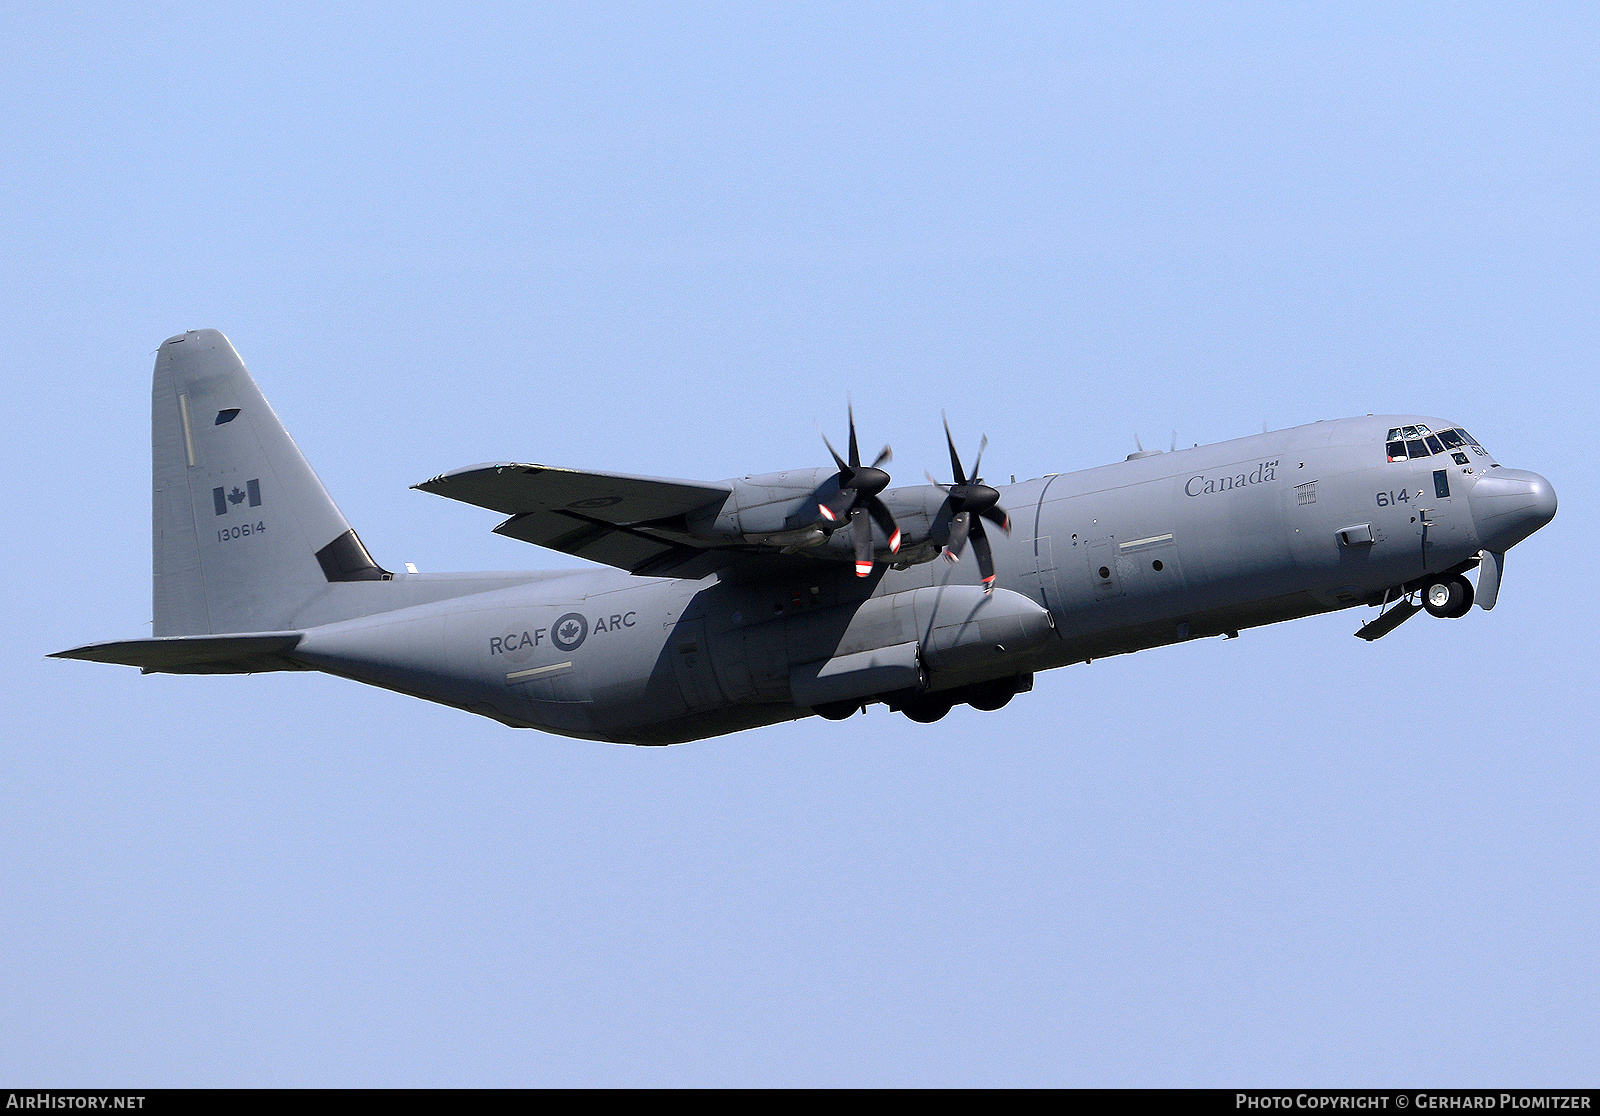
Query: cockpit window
{"points": [[1411, 442]]}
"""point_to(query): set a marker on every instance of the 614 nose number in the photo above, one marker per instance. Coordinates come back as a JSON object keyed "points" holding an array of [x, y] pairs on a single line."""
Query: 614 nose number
{"points": [[1401, 497]]}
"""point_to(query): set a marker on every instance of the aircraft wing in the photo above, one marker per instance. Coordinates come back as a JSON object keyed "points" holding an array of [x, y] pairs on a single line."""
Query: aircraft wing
{"points": [[611, 497], [612, 518]]}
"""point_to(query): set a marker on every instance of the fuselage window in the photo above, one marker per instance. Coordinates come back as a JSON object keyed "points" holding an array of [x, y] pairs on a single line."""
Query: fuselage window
{"points": [[1417, 448], [1451, 438], [1460, 458], [1441, 484], [1433, 445], [1397, 451], [1471, 441]]}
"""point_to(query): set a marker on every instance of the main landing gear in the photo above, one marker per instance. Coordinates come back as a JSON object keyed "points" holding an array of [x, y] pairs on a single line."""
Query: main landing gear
{"points": [[987, 696], [928, 708]]}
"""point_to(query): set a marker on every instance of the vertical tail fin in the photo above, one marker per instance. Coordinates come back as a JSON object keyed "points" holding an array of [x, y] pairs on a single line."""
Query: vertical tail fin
{"points": [[244, 534]]}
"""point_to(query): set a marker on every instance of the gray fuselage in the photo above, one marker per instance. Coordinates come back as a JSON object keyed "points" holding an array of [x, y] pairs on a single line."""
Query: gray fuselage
{"points": [[1158, 549]]}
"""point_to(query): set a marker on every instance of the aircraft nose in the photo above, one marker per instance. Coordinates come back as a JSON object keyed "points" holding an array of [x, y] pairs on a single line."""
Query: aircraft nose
{"points": [[1508, 505]]}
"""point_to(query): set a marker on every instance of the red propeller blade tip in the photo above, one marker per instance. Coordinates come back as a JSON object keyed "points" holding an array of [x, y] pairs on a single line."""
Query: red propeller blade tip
{"points": [[826, 514], [863, 569], [894, 542]]}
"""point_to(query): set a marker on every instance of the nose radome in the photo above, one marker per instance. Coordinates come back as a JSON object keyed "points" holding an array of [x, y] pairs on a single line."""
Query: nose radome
{"points": [[1508, 505]]}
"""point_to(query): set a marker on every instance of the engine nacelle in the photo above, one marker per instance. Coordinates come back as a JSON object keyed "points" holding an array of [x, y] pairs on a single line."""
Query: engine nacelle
{"points": [[781, 510]]}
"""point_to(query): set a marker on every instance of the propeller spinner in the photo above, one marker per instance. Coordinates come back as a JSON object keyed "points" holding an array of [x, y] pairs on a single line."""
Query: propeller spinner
{"points": [[971, 502], [857, 501]]}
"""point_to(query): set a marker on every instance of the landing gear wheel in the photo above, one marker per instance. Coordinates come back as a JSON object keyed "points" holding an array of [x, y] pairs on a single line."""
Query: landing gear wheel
{"points": [[990, 696], [1448, 597], [926, 710], [837, 710]]}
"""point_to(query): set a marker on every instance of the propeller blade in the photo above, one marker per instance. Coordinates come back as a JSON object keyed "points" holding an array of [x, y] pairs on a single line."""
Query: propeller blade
{"points": [[935, 482], [960, 524], [855, 452], [886, 454], [884, 519], [861, 535], [955, 458], [980, 547], [843, 468], [836, 507], [977, 472], [997, 515]]}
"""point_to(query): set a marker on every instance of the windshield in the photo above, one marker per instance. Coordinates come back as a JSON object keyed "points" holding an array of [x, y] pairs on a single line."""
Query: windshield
{"points": [[1406, 443]]}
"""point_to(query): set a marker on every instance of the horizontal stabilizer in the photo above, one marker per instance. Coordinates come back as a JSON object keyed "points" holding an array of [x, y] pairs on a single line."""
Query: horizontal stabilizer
{"points": [[198, 654], [514, 489]]}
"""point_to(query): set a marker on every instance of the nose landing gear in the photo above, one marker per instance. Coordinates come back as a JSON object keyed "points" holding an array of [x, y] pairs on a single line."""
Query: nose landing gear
{"points": [[1448, 596]]}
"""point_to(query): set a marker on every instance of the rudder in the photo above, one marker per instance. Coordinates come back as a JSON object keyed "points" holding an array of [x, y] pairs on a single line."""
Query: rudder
{"points": [[243, 532]]}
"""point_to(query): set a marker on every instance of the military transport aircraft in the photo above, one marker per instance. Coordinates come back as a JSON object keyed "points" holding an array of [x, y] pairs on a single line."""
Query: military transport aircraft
{"points": [[746, 602]]}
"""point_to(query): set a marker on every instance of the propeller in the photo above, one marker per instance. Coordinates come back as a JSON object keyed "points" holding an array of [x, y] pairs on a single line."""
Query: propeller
{"points": [[857, 500], [971, 502]]}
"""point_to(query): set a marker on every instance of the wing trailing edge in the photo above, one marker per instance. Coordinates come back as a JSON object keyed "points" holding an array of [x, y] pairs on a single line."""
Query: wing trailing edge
{"points": [[619, 498], [616, 519]]}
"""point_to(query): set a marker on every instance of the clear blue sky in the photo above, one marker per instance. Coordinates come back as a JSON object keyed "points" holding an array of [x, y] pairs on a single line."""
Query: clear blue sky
{"points": [[667, 239]]}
